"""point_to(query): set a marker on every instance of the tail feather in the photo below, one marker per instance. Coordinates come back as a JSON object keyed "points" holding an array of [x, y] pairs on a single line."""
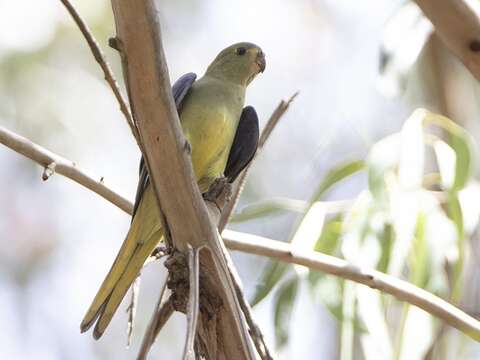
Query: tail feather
{"points": [[116, 271], [144, 234], [123, 284]]}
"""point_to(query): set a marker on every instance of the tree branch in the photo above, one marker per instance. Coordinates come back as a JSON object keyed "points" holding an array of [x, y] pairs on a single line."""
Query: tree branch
{"points": [[167, 156], [193, 303], [457, 23], [132, 309], [101, 60], [163, 310], [401, 289], [60, 165], [270, 248], [253, 244]]}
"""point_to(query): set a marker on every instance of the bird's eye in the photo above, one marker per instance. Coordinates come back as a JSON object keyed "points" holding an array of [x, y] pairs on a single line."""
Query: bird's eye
{"points": [[241, 51]]}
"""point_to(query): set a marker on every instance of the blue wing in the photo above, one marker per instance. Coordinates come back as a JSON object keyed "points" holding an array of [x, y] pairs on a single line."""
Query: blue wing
{"points": [[244, 144]]}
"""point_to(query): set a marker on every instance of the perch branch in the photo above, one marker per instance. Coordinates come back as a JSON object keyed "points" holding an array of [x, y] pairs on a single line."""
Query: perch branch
{"points": [[255, 331], [193, 303], [457, 23], [132, 309], [401, 289], [102, 61], [277, 114], [166, 153], [62, 166], [266, 247], [270, 248]]}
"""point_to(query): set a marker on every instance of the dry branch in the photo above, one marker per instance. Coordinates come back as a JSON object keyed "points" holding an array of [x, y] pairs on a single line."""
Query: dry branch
{"points": [[275, 249], [193, 303], [65, 167], [167, 157], [163, 310], [102, 61], [401, 289], [457, 23]]}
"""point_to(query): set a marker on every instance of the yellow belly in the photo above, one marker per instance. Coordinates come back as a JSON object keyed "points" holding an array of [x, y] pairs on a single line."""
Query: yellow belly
{"points": [[209, 118]]}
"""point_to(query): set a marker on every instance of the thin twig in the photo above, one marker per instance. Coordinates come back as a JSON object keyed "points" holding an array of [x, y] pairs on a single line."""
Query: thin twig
{"points": [[252, 244], [62, 166], [102, 61], [193, 302], [255, 331], [277, 114], [401, 289], [135, 289], [274, 119], [163, 310], [132, 309]]}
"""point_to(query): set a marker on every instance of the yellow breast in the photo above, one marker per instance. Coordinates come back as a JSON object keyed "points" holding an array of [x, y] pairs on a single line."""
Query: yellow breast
{"points": [[209, 117]]}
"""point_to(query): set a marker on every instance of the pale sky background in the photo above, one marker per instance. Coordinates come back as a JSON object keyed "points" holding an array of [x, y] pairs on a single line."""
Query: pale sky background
{"points": [[58, 240]]}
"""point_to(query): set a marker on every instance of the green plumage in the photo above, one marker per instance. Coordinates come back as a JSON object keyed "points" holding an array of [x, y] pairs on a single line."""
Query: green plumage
{"points": [[209, 116]]}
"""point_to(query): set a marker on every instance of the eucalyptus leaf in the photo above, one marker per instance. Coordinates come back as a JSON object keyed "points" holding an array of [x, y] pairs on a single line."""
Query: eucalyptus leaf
{"points": [[418, 258], [270, 277], [283, 303], [461, 143], [412, 155], [386, 244], [336, 175], [327, 243], [274, 271], [382, 161], [269, 208]]}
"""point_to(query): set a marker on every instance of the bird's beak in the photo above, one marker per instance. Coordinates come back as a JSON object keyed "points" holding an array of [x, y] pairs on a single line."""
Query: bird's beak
{"points": [[260, 60]]}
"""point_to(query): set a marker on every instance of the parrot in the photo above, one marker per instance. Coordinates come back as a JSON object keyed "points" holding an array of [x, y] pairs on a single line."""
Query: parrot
{"points": [[223, 137]]}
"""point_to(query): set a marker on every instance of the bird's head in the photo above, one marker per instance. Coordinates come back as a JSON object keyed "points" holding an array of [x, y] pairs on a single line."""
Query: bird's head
{"points": [[238, 63]]}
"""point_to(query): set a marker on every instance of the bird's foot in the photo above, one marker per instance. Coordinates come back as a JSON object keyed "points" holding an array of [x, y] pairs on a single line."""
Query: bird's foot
{"points": [[219, 192]]}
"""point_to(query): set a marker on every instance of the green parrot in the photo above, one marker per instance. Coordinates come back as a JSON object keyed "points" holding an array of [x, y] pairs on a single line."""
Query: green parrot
{"points": [[223, 137]]}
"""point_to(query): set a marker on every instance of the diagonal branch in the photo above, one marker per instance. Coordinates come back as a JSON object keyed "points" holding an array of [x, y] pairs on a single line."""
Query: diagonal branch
{"points": [[193, 303], [62, 166], [401, 289], [457, 23], [167, 156], [101, 60], [163, 310], [278, 250], [277, 114], [132, 309]]}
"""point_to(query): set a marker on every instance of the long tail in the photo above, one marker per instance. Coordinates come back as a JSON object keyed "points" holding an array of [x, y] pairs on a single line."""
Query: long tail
{"points": [[142, 238]]}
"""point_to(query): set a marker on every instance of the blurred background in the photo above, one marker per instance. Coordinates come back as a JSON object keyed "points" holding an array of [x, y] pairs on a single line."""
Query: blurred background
{"points": [[361, 68]]}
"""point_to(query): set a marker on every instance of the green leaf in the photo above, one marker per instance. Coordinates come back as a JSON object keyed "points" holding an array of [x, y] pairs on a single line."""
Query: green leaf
{"points": [[386, 245], [336, 175], [270, 277], [446, 162], [461, 143], [412, 153], [284, 300], [418, 257], [455, 214], [382, 160], [327, 243], [268, 208], [274, 271]]}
